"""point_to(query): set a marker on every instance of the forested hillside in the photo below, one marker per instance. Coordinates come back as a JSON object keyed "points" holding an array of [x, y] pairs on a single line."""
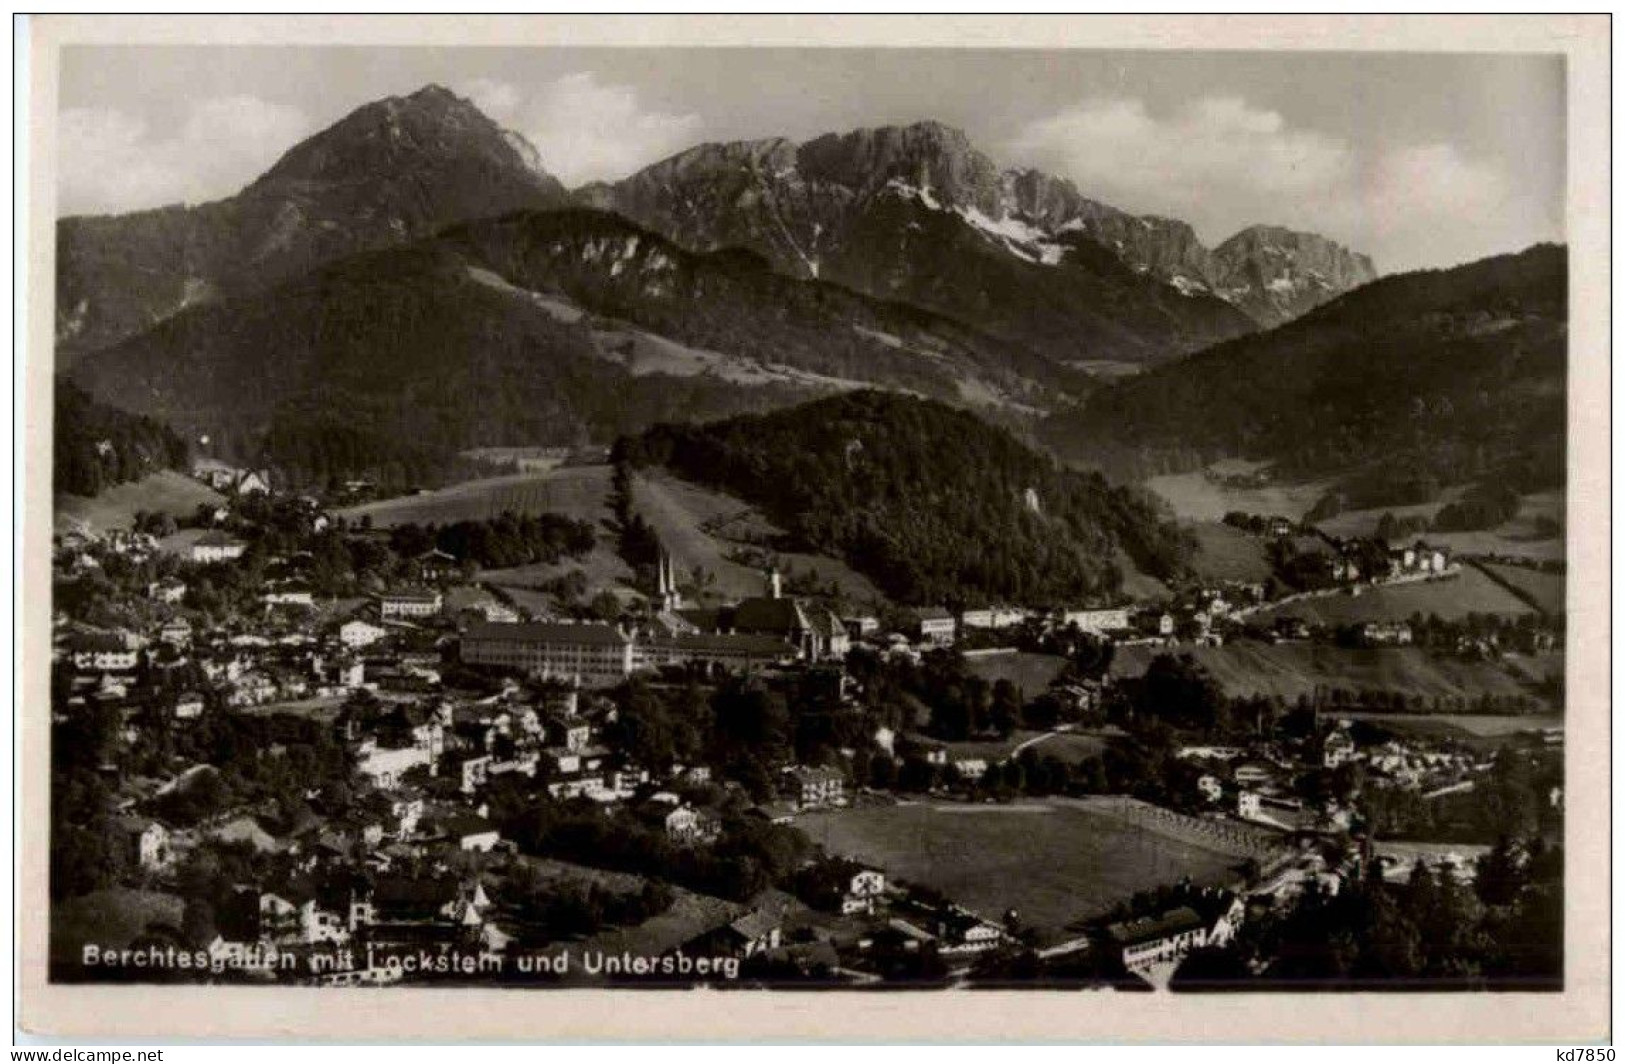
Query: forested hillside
{"points": [[492, 334], [98, 446], [1450, 375], [929, 502]]}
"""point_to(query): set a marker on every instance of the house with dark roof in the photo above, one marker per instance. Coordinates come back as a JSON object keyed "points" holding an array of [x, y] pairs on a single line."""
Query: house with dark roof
{"points": [[934, 625], [1154, 939], [756, 932], [216, 546], [597, 655], [812, 632], [732, 651], [409, 602], [815, 785]]}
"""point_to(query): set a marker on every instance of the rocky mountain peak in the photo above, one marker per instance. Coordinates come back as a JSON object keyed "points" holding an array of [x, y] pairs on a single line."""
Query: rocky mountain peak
{"points": [[389, 172], [1276, 274], [432, 126], [930, 157]]}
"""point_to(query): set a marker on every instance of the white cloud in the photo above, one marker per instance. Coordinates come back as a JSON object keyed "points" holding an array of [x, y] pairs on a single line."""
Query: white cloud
{"points": [[586, 130], [110, 161], [1223, 164]]}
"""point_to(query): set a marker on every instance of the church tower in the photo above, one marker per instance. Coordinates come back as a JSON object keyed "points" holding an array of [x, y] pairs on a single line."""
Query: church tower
{"points": [[670, 598]]}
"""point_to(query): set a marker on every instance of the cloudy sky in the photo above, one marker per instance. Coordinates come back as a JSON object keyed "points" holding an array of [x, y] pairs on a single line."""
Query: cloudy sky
{"points": [[1418, 160]]}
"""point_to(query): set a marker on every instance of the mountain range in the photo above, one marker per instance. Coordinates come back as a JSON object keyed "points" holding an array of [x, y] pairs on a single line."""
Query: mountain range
{"points": [[907, 214], [412, 282], [552, 327], [865, 208]]}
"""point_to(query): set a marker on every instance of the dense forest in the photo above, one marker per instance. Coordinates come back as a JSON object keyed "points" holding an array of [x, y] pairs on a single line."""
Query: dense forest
{"points": [[1441, 377], [506, 540], [926, 500], [98, 446]]}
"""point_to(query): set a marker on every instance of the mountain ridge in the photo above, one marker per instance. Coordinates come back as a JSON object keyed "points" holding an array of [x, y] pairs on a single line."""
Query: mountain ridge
{"points": [[792, 202], [390, 171], [1444, 376], [536, 327]]}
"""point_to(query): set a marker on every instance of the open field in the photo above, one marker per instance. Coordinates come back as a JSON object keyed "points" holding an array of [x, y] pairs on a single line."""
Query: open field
{"points": [[1069, 747], [1288, 670], [1053, 862], [1468, 592], [1535, 668], [1064, 746], [682, 513], [1196, 498], [1032, 673], [581, 492], [1462, 725], [166, 491], [1364, 522], [575, 491], [1518, 538], [1228, 553], [1544, 589]]}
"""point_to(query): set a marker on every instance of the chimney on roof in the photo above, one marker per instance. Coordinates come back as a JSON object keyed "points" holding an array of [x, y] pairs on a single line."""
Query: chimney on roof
{"points": [[773, 588]]}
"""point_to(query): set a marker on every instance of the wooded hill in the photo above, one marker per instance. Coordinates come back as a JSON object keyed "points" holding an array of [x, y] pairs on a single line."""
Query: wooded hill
{"points": [[1456, 375], [98, 446], [934, 505]]}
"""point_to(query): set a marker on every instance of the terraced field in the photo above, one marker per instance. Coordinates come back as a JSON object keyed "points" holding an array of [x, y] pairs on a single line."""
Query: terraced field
{"points": [[1288, 670]]}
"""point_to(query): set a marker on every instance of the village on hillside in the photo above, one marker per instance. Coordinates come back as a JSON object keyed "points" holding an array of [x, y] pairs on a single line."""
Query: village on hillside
{"points": [[292, 748]]}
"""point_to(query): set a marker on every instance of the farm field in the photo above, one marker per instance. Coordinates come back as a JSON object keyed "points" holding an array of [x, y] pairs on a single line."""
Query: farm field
{"points": [[1536, 667], [1544, 589], [581, 492], [1054, 862], [1065, 746], [1227, 553], [166, 491], [576, 491], [681, 513], [1032, 673], [1485, 726], [1518, 538], [1288, 670], [1194, 497], [1468, 592]]}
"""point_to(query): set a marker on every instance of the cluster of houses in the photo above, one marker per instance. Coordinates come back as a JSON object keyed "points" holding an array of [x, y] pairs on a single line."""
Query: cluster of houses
{"points": [[1254, 784]]}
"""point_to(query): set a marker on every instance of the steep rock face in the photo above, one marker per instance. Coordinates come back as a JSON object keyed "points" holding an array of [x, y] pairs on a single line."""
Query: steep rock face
{"points": [[917, 214], [390, 172], [1276, 274], [830, 208]]}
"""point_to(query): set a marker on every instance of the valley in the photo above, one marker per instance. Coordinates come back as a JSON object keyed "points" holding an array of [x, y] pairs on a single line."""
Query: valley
{"points": [[850, 557]]}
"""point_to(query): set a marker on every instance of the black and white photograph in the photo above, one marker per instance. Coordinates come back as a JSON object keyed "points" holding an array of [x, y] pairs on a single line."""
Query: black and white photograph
{"points": [[892, 520]]}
